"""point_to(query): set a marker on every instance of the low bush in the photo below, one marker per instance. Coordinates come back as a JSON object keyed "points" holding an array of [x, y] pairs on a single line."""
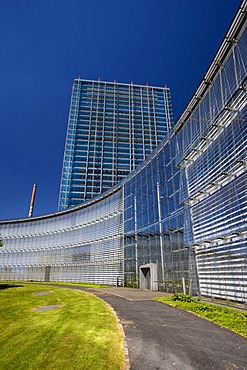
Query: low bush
{"points": [[183, 298], [230, 318]]}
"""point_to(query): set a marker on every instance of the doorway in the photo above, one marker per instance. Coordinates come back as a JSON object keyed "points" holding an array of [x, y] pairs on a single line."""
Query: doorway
{"points": [[149, 276], [145, 278]]}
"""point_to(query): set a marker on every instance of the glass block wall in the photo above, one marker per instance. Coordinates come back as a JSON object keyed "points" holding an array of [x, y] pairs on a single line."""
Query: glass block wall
{"points": [[112, 128]]}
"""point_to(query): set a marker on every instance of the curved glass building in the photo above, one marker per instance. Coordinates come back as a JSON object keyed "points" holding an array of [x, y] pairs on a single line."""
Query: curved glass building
{"points": [[178, 221]]}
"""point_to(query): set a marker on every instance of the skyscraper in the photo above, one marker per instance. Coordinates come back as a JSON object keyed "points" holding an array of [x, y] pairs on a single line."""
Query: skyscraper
{"points": [[112, 128]]}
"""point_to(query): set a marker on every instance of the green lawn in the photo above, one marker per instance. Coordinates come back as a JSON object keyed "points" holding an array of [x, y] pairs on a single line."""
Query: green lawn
{"points": [[81, 334], [229, 318], [87, 285]]}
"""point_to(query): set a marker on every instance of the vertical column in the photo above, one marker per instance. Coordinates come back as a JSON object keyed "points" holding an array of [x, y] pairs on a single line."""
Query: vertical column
{"points": [[160, 232], [167, 109], [149, 123], [131, 127], [136, 244], [88, 141], [143, 129], [100, 175], [154, 118], [114, 135], [95, 154], [69, 147]]}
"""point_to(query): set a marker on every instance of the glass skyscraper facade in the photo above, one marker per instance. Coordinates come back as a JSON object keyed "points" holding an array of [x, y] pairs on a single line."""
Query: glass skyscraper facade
{"points": [[182, 212], [112, 128]]}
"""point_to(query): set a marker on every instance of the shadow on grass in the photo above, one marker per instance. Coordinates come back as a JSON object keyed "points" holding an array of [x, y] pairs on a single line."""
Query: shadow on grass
{"points": [[7, 286]]}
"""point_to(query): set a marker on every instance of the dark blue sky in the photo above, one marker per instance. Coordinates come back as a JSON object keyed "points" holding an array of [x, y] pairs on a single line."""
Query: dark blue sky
{"points": [[45, 44]]}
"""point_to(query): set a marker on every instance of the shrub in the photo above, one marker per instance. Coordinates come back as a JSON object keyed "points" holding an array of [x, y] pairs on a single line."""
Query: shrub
{"points": [[224, 316], [181, 297]]}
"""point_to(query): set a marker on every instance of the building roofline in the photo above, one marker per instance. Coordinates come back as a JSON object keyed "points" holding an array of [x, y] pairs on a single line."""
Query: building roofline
{"points": [[85, 204], [122, 83], [232, 35]]}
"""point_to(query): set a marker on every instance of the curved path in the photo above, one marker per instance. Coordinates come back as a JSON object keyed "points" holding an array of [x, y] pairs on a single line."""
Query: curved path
{"points": [[163, 337]]}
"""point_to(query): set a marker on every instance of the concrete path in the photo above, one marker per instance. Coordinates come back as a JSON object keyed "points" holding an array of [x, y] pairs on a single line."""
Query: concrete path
{"points": [[163, 337]]}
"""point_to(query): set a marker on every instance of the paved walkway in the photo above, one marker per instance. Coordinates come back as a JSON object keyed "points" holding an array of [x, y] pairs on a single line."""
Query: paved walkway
{"points": [[162, 337]]}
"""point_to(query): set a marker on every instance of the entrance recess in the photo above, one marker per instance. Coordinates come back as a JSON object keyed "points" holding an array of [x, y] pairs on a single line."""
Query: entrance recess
{"points": [[149, 276]]}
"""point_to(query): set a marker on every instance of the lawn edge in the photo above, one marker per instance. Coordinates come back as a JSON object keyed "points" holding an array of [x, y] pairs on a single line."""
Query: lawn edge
{"points": [[205, 318]]}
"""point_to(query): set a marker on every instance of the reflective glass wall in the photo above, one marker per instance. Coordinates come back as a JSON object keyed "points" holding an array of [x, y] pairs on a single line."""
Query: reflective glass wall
{"points": [[81, 245], [212, 147], [154, 220], [112, 128]]}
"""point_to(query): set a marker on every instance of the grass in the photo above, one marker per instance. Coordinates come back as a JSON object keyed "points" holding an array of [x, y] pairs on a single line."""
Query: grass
{"points": [[88, 285], [82, 334], [226, 317]]}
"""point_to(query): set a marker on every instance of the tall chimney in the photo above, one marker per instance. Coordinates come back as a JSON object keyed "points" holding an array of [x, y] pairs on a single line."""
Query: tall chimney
{"points": [[30, 213]]}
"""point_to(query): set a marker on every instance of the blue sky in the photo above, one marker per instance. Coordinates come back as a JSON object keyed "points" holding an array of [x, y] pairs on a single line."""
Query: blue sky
{"points": [[46, 44]]}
